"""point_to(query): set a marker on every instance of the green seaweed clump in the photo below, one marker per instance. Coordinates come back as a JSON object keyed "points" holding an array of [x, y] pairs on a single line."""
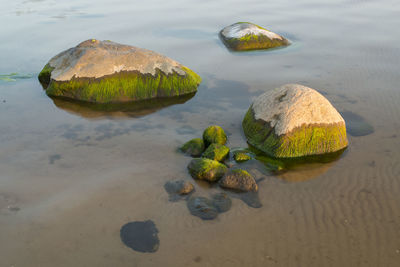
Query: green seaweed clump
{"points": [[214, 134], [241, 156], [206, 169], [306, 140], [45, 75], [216, 152], [194, 147]]}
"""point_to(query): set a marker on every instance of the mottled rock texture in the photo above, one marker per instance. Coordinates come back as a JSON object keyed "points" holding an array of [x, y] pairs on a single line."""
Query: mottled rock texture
{"points": [[105, 71], [294, 121]]}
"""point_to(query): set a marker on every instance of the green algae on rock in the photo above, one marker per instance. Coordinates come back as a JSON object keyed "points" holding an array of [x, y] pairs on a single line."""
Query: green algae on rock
{"points": [[240, 180], [104, 72], [294, 121], [216, 152], [194, 147], [206, 169], [243, 36], [241, 156], [214, 134]]}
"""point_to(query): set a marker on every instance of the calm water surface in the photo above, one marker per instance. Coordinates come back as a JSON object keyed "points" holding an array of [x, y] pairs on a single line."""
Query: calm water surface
{"points": [[70, 176]]}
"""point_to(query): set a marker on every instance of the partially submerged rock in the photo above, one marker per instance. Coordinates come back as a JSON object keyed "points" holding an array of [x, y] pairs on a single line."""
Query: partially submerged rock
{"points": [[194, 147], [179, 187], [202, 207], [216, 152], [206, 169], [239, 180], [104, 71], [214, 134], [294, 121], [140, 236], [243, 36]]}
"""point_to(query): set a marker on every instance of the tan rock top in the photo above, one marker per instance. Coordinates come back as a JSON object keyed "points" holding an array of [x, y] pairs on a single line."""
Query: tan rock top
{"points": [[293, 105], [94, 59], [241, 29]]}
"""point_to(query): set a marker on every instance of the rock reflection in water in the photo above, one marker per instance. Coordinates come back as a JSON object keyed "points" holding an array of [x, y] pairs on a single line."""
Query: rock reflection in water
{"points": [[118, 110]]}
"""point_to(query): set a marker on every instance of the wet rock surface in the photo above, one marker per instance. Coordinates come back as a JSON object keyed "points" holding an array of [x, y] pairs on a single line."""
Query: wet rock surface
{"points": [[194, 147], [206, 169], [239, 180], [178, 189], [202, 207], [216, 152], [141, 236], [221, 202]]}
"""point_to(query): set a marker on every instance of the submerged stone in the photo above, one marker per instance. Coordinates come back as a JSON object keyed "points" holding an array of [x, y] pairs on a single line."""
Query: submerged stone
{"points": [[177, 189], [194, 147], [216, 152], [221, 202], [104, 72], [140, 236], [294, 121], [356, 125], [206, 169], [214, 134], [202, 207], [239, 180], [242, 36]]}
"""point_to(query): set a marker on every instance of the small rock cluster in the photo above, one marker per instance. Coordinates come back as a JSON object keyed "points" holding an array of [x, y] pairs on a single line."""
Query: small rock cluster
{"points": [[210, 154]]}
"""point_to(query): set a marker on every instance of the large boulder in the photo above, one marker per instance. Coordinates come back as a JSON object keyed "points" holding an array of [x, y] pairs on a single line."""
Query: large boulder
{"points": [[243, 36], [294, 121], [104, 71]]}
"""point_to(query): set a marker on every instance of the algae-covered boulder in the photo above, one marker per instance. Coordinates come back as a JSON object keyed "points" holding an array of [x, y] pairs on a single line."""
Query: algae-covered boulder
{"points": [[194, 147], [243, 36], [206, 169], [214, 134], [216, 152], [239, 180], [294, 121], [104, 71]]}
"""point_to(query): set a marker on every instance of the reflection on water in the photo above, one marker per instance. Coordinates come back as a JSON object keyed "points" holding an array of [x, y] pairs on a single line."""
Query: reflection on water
{"points": [[118, 110]]}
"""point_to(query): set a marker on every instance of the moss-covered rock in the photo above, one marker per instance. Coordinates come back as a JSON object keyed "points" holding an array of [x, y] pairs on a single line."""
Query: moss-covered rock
{"points": [[216, 152], [194, 147], [206, 169], [294, 121], [241, 156], [243, 36], [239, 180], [214, 134], [104, 72]]}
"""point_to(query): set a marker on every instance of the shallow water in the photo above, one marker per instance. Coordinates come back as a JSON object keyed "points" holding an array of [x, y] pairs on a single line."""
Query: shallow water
{"points": [[71, 178]]}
